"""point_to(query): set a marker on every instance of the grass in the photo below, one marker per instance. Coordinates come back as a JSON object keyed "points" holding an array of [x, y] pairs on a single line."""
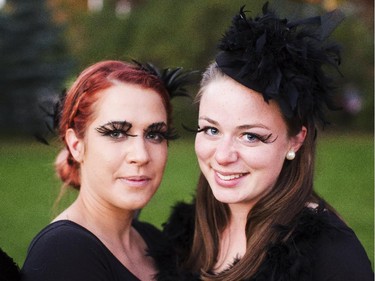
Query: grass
{"points": [[28, 187]]}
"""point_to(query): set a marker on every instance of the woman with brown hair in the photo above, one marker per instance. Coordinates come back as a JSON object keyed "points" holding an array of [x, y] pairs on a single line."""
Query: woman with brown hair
{"points": [[256, 215], [115, 122]]}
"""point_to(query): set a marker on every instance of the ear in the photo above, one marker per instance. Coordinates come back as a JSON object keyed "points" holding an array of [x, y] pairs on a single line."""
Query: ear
{"points": [[297, 140], [76, 145]]}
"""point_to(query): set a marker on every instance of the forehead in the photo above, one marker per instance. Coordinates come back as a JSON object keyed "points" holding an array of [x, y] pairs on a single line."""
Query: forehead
{"points": [[129, 102], [227, 101]]}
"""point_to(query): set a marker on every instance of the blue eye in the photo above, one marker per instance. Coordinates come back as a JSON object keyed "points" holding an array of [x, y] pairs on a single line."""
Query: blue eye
{"points": [[251, 138], [211, 131]]}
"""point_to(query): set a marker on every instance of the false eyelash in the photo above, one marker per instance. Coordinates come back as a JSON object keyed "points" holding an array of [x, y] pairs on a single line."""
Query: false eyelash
{"points": [[199, 129], [265, 139], [111, 127], [169, 134], [204, 129]]}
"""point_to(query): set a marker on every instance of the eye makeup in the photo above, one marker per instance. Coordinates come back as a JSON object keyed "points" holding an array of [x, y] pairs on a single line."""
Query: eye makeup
{"points": [[114, 128], [160, 130]]}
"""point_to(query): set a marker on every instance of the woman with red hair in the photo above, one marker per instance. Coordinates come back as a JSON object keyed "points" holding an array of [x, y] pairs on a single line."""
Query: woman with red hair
{"points": [[115, 122]]}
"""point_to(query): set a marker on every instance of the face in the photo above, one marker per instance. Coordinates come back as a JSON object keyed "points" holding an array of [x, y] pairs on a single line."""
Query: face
{"points": [[124, 151], [241, 142]]}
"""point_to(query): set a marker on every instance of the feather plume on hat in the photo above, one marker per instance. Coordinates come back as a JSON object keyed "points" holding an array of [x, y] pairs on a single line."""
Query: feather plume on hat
{"points": [[283, 60]]}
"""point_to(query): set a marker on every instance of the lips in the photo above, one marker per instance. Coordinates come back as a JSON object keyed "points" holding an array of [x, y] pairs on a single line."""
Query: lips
{"points": [[229, 179], [136, 181]]}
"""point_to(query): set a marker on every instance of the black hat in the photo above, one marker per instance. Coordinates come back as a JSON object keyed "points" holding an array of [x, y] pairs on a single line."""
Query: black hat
{"points": [[283, 60]]}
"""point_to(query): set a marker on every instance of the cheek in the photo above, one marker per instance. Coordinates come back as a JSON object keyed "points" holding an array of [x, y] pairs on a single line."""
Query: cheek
{"points": [[264, 159], [160, 156], [202, 147]]}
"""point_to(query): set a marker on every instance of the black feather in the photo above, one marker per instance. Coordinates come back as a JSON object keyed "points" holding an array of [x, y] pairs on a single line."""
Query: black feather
{"points": [[175, 79], [9, 270], [283, 60]]}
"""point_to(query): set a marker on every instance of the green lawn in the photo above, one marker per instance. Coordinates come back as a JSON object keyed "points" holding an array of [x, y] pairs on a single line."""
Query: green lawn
{"points": [[28, 187]]}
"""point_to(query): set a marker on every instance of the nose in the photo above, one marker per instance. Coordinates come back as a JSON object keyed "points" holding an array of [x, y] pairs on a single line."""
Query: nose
{"points": [[137, 151], [226, 152]]}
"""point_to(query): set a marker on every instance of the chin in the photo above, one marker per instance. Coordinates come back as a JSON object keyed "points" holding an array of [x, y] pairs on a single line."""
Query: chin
{"points": [[224, 197]]}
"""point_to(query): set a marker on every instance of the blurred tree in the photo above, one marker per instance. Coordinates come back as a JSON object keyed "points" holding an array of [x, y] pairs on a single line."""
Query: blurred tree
{"points": [[185, 33], [33, 64], [356, 35]]}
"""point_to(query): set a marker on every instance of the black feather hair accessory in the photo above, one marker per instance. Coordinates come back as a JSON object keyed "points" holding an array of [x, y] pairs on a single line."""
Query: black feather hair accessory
{"points": [[174, 79], [283, 60]]}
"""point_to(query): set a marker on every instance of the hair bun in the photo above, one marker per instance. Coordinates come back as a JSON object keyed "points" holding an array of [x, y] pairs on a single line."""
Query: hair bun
{"points": [[67, 169]]}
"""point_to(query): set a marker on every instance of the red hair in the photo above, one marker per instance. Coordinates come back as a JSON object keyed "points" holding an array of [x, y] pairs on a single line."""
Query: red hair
{"points": [[77, 109]]}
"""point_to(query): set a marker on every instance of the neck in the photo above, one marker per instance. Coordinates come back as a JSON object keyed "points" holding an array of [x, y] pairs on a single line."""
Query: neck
{"points": [[239, 214], [233, 240], [108, 223]]}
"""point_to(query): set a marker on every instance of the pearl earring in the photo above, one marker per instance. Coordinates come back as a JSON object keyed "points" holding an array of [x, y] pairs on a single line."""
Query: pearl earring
{"points": [[290, 155]]}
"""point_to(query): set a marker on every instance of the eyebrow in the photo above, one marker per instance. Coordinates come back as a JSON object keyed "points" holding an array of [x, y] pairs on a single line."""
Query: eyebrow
{"points": [[118, 123], [156, 125], [241, 127], [209, 120]]}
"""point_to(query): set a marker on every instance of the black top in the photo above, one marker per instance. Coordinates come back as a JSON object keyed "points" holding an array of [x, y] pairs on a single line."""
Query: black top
{"points": [[65, 250], [321, 248]]}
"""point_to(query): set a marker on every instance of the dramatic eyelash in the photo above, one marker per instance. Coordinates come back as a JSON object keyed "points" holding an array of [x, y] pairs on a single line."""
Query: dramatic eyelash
{"points": [[115, 126], [159, 128], [198, 130], [265, 138], [205, 128]]}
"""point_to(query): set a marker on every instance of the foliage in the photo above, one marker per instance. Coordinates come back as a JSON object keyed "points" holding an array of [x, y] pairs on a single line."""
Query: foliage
{"points": [[358, 72], [33, 63]]}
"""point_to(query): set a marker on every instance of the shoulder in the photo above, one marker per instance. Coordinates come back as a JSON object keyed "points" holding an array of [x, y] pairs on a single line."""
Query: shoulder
{"points": [[61, 234], [62, 245], [338, 253], [320, 246]]}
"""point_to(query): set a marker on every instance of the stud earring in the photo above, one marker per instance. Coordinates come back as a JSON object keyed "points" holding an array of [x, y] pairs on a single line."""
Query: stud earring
{"points": [[290, 155]]}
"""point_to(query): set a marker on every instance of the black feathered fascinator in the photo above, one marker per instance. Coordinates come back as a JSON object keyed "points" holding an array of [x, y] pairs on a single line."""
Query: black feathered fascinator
{"points": [[175, 79], [283, 60]]}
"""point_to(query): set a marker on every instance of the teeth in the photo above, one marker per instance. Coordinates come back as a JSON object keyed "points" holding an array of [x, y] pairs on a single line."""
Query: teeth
{"points": [[229, 177]]}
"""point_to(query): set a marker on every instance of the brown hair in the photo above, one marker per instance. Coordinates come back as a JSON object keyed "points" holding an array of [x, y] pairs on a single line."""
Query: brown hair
{"points": [[293, 189], [77, 109]]}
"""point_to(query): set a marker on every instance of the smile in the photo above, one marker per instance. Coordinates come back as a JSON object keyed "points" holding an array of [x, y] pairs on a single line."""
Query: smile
{"points": [[229, 177]]}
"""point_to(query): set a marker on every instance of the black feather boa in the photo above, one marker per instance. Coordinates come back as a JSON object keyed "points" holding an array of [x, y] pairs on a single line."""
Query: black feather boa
{"points": [[9, 270], [167, 253], [290, 260]]}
